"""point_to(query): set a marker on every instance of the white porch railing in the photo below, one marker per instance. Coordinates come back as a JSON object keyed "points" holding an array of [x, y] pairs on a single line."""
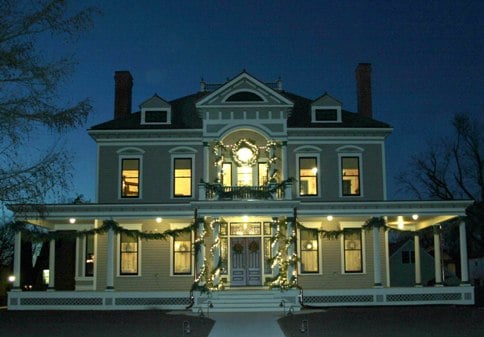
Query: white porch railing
{"points": [[97, 300], [461, 295]]}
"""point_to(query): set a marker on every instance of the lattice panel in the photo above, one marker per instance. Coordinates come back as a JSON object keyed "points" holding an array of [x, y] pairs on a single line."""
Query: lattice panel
{"points": [[153, 301], [61, 301], [424, 297], [338, 299]]}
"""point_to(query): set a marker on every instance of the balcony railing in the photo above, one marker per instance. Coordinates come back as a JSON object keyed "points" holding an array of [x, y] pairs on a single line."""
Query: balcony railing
{"points": [[275, 191]]}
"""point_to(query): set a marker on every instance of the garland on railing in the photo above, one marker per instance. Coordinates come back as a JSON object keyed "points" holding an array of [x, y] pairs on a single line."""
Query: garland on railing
{"points": [[265, 192]]}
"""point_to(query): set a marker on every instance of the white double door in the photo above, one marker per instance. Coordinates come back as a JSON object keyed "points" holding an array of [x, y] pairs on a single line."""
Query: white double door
{"points": [[246, 269]]}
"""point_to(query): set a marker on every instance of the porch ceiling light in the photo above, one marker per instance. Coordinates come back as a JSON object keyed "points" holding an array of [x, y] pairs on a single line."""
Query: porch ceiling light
{"points": [[11, 278], [400, 222], [72, 220], [415, 217], [159, 219], [329, 218]]}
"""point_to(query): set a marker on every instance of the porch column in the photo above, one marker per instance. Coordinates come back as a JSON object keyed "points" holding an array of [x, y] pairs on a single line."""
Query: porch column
{"points": [[275, 247], [206, 152], [418, 268], [290, 249], [437, 257], [464, 262], [216, 252], [387, 259], [376, 257], [284, 173], [51, 265], [16, 260], [110, 261], [201, 246]]}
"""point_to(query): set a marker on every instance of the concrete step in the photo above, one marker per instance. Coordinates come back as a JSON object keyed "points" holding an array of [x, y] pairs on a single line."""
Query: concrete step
{"points": [[246, 301]]}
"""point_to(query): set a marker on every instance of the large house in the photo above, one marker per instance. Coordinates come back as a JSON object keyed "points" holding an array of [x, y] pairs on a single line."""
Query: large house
{"points": [[239, 196]]}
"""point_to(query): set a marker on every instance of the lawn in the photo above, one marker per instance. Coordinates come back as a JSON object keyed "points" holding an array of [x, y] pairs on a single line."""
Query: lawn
{"points": [[100, 323], [422, 321]]}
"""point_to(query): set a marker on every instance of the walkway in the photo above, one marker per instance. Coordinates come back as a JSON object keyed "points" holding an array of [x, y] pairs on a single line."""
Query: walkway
{"points": [[243, 324]]}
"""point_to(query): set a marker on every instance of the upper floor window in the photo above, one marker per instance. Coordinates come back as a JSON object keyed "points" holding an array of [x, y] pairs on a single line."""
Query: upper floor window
{"points": [[350, 176], [130, 177], [325, 115], [128, 254], [308, 176], [156, 117], [353, 250], [182, 175], [309, 251]]}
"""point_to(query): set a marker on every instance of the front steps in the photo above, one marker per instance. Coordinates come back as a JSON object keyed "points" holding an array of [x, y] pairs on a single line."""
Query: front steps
{"points": [[246, 300]]}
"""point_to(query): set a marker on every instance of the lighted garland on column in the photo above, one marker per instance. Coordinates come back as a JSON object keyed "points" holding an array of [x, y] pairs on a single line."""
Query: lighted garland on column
{"points": [[281, 260]]}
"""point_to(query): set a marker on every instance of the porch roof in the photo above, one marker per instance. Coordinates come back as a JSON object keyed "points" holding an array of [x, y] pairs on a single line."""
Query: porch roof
{"points": [[398, 213]]}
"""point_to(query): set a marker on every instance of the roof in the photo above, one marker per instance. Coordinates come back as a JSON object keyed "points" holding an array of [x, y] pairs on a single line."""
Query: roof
{"points": [[185, 116]]}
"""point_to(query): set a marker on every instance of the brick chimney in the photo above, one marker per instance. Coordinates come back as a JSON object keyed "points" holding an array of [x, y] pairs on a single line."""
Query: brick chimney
{"points": [[123, 83], [363, 89]]}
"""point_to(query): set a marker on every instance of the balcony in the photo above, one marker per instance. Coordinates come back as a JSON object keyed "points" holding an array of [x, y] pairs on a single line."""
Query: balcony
{"points": [[272, 191]]}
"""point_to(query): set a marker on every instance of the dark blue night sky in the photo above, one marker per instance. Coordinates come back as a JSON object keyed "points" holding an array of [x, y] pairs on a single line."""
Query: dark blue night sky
{"points": [[427, 59]]}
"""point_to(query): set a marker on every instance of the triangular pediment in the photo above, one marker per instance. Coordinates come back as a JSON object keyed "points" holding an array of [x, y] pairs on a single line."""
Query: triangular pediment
{"points": [[326, 100], [242, 91], [154, 102]]}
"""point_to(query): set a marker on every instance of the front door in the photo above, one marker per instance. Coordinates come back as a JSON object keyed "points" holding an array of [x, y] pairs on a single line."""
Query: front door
{"points": [[245, 262]]}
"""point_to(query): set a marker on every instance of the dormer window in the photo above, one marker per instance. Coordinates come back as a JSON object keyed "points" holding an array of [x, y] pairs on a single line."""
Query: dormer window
{"points": [[325, 115], [156, 116], [155, 111], [326, 109]]}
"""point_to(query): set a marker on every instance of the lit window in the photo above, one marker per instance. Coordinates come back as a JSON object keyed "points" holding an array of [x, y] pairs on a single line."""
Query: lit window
{"points": [[130, 178], [308, 176], [89, 255], [353, 253], [227, 174], [183, 177], [350, 175], [182, 254], [128, 254], [263, 174], [244, 176], [309, 251]]}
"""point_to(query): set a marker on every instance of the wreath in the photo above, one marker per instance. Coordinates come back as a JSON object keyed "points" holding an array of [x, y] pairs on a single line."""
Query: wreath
{"points": [[238, 248], [253, 247]]}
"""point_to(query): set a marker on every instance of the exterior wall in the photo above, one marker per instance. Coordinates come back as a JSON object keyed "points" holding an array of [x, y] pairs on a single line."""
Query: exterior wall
{"points": [[154, 269], [329, 176], [156, 174], [332, 276]]}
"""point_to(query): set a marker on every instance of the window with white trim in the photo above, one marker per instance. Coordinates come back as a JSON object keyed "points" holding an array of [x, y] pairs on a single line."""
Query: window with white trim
{"points": [[353, 250], [182, 254], [89, 255], [128, 254], [308, 176], [309, 250], [182, 177], [130, 177], [350, 176]]}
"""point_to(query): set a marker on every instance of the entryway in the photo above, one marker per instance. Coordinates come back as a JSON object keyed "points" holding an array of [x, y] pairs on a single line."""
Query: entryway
{"points": [[246, 267]]}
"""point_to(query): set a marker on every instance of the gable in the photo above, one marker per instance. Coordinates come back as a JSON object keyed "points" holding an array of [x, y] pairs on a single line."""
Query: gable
{"points": [[244, 90]]}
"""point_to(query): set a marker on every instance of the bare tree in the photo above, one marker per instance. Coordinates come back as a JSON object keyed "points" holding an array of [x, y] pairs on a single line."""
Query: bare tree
{"points": [[453, 169], [29, 106]]}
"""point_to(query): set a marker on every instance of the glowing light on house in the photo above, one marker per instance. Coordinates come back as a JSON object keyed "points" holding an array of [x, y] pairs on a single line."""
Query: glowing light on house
{"points": [[329, 218], [245, 218], [11, 278], [314, 170], [159, 220], [400, 222], [72, 220], [415, 217]]}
